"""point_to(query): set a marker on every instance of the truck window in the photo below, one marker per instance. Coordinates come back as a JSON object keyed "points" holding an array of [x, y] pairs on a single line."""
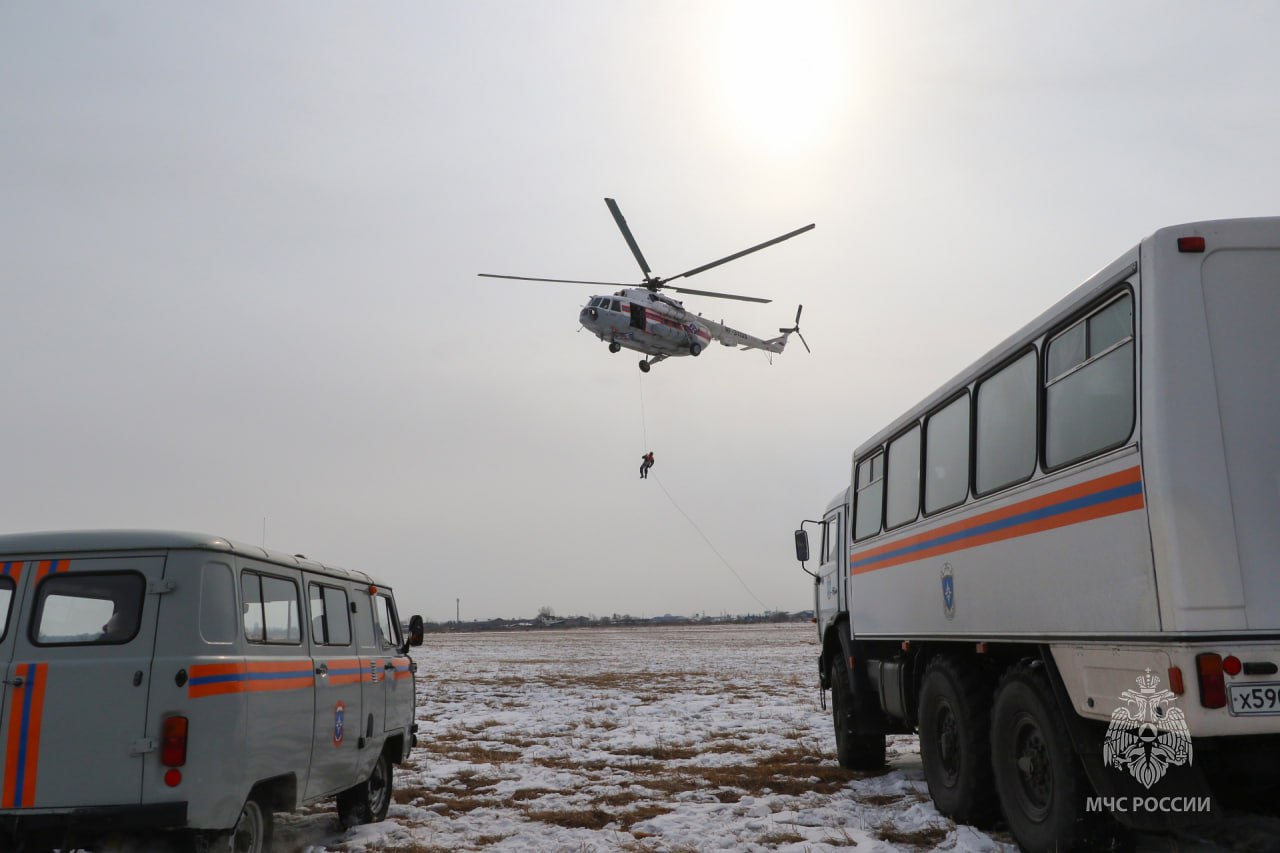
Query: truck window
{"points": [[88, 609], [903, 501], [6, 598], [271, 612], [1006, 425], [386, 630], [1090, 387], [330, 616], [946, 468], [870, 488]]}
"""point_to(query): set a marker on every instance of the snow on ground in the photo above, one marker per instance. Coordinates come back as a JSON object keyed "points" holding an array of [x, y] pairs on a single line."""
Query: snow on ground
{"points": [[677, 739], [680, 739]]}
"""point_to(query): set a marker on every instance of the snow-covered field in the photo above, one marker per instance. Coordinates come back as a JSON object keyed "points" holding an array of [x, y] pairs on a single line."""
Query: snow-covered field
{"points": [[681, 740], [675, 739]]}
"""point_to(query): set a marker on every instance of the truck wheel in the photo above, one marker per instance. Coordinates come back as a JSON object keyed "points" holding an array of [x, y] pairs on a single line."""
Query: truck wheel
{"points": [[252, 832], [954, 721], [1037, 773], [369, 801], [855, 750]]}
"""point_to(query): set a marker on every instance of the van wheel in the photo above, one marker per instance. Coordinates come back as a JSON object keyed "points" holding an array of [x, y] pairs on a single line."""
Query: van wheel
{"points": [[252, 832], [369, 801], [954, 722], [855, 750]]}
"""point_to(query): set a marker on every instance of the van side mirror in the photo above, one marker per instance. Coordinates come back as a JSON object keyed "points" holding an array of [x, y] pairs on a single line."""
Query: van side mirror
{"points": [[802, 545], [415, 630]]}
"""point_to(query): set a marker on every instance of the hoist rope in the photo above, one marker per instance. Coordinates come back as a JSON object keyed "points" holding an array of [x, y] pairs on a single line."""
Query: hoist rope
{"points": [[644, 431]]}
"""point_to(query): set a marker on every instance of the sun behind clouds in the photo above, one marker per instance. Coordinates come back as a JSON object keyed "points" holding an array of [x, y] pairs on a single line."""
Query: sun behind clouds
{"points": [[784, 72]]}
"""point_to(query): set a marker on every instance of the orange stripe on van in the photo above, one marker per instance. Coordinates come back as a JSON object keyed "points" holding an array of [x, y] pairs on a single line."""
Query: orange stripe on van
{"points": [[12, 569], [44, 567], [216, 679], [22, 739]]}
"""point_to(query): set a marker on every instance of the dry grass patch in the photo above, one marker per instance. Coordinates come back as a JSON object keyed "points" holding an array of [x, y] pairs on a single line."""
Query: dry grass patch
{"points": [[927, 837], [473, 753], [593, 817]]}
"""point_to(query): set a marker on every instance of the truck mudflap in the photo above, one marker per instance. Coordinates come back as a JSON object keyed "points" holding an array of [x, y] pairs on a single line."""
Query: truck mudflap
{"points": [[1172, 795]]}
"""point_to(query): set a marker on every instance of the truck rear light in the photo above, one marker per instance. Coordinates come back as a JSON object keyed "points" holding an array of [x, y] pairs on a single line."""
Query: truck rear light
{"points": [[1213, 689], [1190, 244], [173, 742], [1231, 665]]}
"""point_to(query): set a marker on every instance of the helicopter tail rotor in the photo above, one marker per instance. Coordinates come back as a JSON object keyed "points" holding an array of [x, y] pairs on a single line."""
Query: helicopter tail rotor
{"points": [[796, 330]]}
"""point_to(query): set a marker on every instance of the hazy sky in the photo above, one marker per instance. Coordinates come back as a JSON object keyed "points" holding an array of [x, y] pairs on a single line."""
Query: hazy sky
{"points": [[239, 246]]}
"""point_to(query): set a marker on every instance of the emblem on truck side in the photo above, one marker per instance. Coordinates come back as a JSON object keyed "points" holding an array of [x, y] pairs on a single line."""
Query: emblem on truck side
{"points": [[1147, 735], [948, 591]]}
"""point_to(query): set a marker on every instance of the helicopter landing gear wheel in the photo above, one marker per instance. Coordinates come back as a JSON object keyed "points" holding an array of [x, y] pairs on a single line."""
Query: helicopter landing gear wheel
{"points": [[614, 346], [694, 349], [644, 367]]}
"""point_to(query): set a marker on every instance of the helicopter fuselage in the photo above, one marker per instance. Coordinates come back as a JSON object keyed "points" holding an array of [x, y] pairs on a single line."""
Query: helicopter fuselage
{"points": [[646, 322]]}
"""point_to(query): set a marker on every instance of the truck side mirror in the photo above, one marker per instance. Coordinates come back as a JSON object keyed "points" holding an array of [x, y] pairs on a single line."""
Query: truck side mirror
{"points": [[802, 545], [415, 630]]}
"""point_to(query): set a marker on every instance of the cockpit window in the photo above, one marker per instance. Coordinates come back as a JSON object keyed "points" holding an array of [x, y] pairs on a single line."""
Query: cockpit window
{"points": [[616, 306], [595, 302]]}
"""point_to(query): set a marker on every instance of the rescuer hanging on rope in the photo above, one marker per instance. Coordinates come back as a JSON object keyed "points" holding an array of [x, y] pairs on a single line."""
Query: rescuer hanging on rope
{"points": [[646, 462]]}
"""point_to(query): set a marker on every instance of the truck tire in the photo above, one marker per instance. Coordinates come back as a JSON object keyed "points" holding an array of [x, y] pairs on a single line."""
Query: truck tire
{"points": [[855, 749], [955, 750], [369, 801], [1038, 776]]}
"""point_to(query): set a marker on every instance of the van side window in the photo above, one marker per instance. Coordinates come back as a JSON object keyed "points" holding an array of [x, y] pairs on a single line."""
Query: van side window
{"points": [[386, 630], [271, 612], [88, 609], [217, 604], [330, 616], [6, 598]]}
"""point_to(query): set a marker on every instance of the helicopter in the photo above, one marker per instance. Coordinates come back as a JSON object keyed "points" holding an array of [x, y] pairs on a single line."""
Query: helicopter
{"points": [[642, 319]]}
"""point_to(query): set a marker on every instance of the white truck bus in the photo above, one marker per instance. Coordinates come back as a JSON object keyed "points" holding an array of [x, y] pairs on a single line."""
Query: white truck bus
{"points": [[1061, 568], [179, 683]]}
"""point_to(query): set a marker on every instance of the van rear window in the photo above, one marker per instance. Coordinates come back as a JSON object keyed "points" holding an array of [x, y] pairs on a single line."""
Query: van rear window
{"points": [[88, 608]]}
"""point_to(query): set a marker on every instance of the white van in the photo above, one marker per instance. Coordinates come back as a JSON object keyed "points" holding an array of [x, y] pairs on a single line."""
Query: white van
{"points": [[182, 682]]}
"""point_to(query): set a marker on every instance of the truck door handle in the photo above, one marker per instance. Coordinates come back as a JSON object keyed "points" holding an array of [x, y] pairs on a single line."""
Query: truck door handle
{"points": [[390, 667], [17, 681], [322, 670]]}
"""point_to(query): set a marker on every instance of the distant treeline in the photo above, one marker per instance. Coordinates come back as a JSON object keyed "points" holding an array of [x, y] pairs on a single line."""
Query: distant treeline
{"points": [[545, 621]]}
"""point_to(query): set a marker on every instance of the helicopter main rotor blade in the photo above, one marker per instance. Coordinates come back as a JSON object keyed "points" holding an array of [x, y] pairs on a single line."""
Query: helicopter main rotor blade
{"points": [[626, 233], [766, 244], [717, 295], [558, 280]]}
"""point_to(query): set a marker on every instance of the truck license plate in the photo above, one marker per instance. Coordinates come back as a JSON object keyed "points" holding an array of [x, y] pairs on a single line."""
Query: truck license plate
{"points": [[1255, 698]]}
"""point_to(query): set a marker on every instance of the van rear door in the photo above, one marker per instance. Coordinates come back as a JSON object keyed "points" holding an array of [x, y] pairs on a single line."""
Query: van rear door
{"points": [[75, 693]]}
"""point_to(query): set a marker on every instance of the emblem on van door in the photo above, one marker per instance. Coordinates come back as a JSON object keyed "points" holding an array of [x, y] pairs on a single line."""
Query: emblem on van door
{"points": [[339, 723], [948, 591]]}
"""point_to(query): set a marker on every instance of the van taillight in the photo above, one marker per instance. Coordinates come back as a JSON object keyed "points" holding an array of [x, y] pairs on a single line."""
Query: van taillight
{"points": [[1213, 689], [173, 742], [1190, 244]]}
